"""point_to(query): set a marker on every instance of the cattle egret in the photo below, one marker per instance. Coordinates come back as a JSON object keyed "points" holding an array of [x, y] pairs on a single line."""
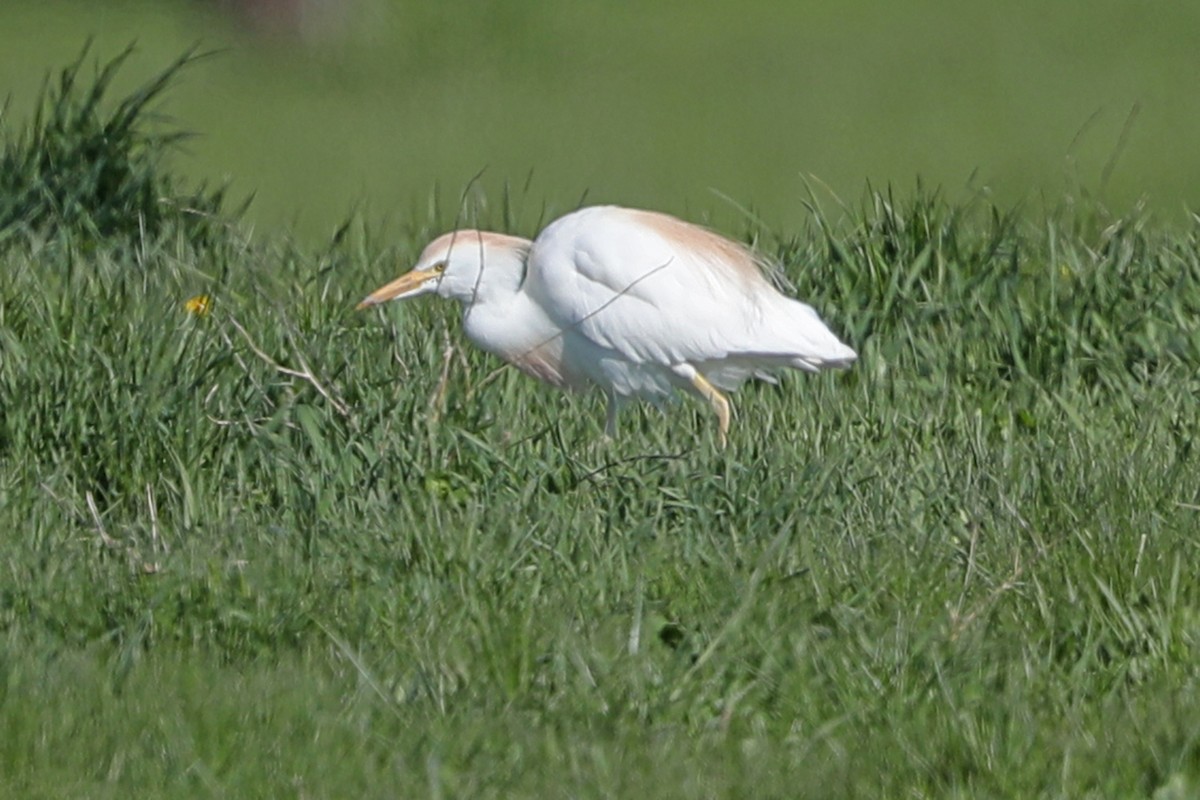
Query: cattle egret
{"points": [[635, 303]]}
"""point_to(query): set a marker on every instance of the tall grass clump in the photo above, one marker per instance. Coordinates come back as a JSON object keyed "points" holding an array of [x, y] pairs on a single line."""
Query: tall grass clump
{"points": [[256, 544], [97, 168]]}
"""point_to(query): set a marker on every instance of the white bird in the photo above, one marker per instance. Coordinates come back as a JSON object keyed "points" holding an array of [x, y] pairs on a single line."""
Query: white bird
{"points": [[636, 303]]}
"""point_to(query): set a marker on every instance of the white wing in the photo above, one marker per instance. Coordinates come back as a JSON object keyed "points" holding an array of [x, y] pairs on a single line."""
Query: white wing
{"points": [[660, 291]]}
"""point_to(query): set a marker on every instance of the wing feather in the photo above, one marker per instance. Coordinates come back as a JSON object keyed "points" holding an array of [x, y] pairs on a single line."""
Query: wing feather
{"points": [[657, 290]]}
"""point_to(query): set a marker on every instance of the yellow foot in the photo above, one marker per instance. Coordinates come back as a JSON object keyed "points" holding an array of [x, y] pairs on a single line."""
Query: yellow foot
{"points": [[719, 403]]}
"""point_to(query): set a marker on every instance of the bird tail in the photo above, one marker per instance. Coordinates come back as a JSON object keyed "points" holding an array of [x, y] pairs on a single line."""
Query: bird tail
{"points": [[831, 353]]}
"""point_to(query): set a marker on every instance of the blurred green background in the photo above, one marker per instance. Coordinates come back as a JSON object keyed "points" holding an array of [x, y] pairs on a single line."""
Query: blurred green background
{"points": [[321, 107]]}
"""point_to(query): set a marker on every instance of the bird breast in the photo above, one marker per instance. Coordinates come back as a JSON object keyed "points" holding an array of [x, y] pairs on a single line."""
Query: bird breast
{"points": [[544, 362], [518, 331]]}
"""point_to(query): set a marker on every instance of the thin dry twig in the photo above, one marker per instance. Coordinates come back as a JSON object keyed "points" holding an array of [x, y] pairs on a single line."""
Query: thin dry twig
{"points": [[437, 400], [105, 539], [309, 376], [972, 548], [156, 540], [959, 622], [491, 376], [305, 374], [225, 423]]}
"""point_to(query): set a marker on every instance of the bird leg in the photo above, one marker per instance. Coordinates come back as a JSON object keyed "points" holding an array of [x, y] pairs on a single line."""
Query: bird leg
{"points": [[610, 422], [719, 403]]}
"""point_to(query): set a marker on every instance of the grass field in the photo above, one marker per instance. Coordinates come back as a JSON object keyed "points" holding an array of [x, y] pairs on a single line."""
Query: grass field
{"points": [[266, 551]]}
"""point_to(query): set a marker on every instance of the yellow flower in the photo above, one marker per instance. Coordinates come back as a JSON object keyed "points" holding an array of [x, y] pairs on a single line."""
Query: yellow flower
{"points": [[199, 305]]}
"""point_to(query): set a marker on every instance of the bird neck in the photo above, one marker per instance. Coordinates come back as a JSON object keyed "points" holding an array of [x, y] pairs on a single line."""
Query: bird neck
{"points": [[504, 322], [516, 329]]}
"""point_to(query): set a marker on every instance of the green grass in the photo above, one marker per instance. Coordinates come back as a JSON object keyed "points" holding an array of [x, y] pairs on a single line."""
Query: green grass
{"points": [[265, 552]]}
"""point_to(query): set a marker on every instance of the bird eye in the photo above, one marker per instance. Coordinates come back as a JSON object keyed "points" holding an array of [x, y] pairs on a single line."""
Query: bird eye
{"points": [[438, 267]]}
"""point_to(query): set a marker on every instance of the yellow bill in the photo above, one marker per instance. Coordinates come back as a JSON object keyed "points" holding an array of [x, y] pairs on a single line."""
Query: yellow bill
{"points": [[408, 284]]}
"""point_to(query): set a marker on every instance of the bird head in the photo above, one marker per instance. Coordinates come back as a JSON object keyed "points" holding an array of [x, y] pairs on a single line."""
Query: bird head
{"points": [[464, 265]]}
